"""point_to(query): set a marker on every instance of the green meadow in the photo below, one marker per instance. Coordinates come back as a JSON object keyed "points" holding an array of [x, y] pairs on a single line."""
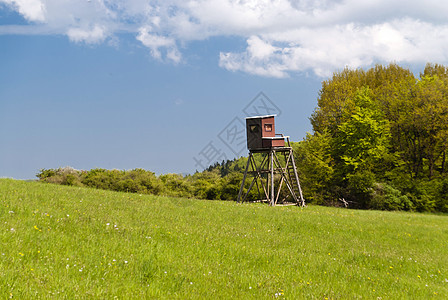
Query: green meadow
{"points": [[70, 242]]}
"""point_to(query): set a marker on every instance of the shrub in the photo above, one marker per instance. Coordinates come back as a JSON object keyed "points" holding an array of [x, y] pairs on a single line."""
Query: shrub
{"points": [[387, 197], [360, 188], [64, 176], [442, 197]]}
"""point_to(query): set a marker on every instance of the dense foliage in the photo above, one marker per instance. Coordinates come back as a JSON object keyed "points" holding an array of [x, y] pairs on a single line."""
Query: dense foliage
{"points": [[380, 141], [219, 182]]}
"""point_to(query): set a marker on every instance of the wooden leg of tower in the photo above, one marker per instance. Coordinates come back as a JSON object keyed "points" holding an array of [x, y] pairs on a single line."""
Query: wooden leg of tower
{"points": [[244, 178], [302, 200], [272, 200], [259, 174], [287, 178]]}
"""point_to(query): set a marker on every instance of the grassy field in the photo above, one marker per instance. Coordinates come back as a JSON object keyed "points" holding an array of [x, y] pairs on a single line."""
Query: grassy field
{"points": [[67, 242]]}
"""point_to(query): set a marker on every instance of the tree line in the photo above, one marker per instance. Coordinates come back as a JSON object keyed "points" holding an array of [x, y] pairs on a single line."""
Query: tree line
{"points": [[379, 141], [215, 183]]}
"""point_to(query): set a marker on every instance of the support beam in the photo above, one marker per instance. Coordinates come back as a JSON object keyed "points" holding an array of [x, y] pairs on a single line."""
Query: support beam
{"points": [[271, 201], [269, 167]]}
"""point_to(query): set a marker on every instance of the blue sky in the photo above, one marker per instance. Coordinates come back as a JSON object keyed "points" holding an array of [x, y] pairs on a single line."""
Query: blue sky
{"points": [[156, 85]]}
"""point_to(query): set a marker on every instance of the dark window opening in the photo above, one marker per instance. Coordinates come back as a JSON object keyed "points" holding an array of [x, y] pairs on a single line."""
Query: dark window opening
{"points": [[254, 128]]}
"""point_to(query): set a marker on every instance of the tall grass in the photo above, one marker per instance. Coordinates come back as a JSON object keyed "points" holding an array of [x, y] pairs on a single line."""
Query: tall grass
{"points": [[68, 242]]}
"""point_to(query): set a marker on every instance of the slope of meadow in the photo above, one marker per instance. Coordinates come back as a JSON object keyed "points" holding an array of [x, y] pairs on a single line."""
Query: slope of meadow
{"points": [[68, 242]]}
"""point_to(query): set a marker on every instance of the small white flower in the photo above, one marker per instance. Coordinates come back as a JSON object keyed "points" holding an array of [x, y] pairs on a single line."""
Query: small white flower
{"points": [[12, 229], [127, 262], [11, 212], [68, 215], [107, 224], [191, 282]]}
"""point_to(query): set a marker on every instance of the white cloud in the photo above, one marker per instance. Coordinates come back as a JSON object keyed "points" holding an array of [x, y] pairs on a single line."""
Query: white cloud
{"points": [[157, 42], [94, 35], [283, 36], [324, 50], [32, 10]]}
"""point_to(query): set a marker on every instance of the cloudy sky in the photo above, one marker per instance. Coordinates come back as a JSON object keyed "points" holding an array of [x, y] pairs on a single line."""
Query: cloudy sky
{"points": [[164, 85]]}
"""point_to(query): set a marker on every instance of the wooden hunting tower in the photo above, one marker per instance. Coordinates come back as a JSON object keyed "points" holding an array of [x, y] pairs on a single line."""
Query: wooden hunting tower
{"points": [[261, 133], [273, 172]]}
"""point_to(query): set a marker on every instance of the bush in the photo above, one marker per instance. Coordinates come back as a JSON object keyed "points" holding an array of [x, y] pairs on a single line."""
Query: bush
{"points": [[360, 188], [103, 179], [64, 176], [442, 197], [387, 197]]}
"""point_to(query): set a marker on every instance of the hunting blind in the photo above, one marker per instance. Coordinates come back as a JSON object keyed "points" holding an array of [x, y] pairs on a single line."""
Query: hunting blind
{"points": [[271, 164]]}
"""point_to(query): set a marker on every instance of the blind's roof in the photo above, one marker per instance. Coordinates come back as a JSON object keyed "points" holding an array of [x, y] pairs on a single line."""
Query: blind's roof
{"points": [[261, 117]]}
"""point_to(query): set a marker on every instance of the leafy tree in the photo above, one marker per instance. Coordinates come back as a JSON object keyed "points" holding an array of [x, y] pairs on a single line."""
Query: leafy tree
{"points": [[363, 139], [315, 166]]}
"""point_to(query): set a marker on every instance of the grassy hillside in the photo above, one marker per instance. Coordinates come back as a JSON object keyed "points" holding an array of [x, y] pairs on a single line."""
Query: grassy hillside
{"points": [[67, 242]]}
